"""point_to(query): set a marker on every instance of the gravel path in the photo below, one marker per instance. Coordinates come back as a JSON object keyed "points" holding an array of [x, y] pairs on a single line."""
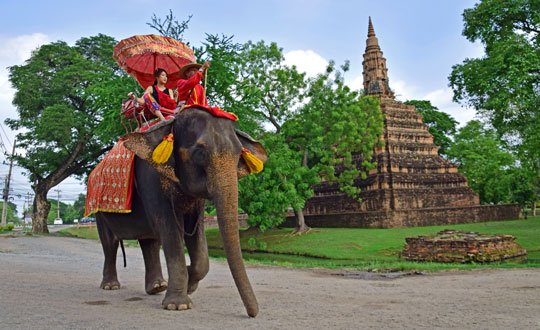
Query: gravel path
{"points": [[53, 283]]}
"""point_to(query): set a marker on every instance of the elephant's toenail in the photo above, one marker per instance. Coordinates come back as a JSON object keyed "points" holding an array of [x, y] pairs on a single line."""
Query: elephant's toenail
{"points": [[106, 287], [171, 307], [181, 307], [156, 286]]}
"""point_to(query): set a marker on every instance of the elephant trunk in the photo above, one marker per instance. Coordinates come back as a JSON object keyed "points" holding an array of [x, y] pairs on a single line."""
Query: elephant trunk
{"points": [[224, 181]]}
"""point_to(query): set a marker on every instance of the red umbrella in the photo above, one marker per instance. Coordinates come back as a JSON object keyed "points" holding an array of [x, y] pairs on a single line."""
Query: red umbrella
{"points": [[140, 56]]}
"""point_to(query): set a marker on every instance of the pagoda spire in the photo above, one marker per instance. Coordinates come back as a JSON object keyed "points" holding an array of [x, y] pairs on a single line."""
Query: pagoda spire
{"points": [[375, 71]]}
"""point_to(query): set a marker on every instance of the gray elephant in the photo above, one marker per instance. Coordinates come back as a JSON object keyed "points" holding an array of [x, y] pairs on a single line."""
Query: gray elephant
{"points": [[168, 205]]}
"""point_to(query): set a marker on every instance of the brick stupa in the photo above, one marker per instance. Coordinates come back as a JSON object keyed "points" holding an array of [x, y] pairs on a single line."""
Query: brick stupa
{"points": [[411, 185]]}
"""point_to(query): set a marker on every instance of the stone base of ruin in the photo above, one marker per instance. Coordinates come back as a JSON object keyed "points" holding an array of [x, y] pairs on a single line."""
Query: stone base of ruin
{"points": [[462, 247], [412, 217]]}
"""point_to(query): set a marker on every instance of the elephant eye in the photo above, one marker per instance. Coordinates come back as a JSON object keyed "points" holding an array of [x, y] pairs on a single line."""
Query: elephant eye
{"points": [[199, 156]]}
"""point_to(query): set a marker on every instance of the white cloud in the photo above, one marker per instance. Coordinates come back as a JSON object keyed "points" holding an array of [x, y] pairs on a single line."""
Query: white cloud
{"points": [[442, 96], [18, 49], [404, 91], [15, 51], [306, 61], [356, 83], [442, 99]]}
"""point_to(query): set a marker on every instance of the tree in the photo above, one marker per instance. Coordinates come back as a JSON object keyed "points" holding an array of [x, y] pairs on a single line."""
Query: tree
{"points": [[484, 160], [503, 85], [79, 206], [310, 141], [441, 125], [67, 98], [169, 26], [524, 189]]}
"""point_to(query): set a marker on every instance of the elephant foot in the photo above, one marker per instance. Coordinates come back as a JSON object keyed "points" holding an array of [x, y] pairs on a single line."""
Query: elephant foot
{"points": [[110, 285], [156, 286], [177, 303]]}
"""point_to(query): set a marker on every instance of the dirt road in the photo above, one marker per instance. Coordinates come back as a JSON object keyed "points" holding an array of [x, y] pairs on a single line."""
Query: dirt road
{"points": [[53, 283]]}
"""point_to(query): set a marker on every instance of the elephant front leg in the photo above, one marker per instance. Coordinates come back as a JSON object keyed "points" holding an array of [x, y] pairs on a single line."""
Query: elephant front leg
{"points": [[198, 251], [176, 297], [154, 281], [109, 244]]}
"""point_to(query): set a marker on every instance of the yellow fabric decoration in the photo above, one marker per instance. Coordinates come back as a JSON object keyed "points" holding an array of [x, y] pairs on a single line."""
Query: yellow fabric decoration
{"points": [[164, 150], [254, 164]]}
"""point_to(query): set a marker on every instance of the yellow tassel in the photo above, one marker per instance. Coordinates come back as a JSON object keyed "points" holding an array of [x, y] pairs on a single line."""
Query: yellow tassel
{"points": [[254, 164], [164, 150]]}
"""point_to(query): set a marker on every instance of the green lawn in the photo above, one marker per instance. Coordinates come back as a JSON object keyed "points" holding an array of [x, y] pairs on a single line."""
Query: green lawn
{"points": [[90, 233], [362, 248]]}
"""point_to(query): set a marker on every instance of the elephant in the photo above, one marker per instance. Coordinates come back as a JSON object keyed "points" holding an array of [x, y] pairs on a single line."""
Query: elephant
{"points": [[168, 205]]}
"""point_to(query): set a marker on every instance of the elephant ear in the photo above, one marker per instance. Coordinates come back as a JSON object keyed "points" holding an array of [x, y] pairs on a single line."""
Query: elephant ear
{"points": [[142, 144], [254, 147]]}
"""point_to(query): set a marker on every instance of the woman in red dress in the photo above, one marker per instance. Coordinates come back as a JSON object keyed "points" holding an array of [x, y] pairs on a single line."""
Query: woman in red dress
{"points": [[157, 96]]}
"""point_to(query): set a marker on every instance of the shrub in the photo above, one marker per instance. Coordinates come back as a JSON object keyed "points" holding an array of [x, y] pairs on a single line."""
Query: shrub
{"points": [[7, 227]]}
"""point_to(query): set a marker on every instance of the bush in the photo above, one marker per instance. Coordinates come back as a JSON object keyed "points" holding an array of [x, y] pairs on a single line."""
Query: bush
{"points": [[7, 227]]}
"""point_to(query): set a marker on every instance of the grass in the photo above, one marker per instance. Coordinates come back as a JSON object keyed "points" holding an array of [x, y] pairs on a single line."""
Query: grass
{"points": [[359, 248], [90, 233]]}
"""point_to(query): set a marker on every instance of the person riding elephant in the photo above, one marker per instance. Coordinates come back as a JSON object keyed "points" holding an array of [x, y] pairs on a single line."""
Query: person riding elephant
{"points": [[157, 96], [189, 88], [168, 205]]}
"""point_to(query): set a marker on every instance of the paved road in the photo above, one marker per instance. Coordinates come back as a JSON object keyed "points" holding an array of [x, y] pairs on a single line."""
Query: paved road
{"points": [[52, 283]]}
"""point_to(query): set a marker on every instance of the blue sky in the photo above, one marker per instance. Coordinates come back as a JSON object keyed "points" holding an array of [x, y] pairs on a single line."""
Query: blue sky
{"points": [[420, 39]]}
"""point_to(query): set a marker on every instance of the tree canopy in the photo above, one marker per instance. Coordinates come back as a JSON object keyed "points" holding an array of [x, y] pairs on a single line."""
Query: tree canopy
{"points": [[504, 85], [485, 161], [68, 100]]}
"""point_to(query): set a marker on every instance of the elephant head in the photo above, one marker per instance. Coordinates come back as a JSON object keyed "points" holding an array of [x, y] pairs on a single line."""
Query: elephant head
{"points": [[206, 163]]}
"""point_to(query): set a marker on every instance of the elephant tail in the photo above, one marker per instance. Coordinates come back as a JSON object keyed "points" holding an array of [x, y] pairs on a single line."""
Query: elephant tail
{"points": [[123, 252]]}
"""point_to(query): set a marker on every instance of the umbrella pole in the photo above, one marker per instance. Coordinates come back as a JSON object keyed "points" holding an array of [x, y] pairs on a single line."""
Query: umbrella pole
{"points": [[205, 78]]}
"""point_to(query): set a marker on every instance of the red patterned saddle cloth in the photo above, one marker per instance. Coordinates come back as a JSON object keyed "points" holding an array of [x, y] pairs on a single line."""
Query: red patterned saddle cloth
{"points": [[110, 185]]}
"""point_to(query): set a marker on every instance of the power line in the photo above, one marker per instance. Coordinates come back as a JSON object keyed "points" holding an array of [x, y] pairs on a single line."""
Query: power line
{"points": [[7, 138], [2, 146]]}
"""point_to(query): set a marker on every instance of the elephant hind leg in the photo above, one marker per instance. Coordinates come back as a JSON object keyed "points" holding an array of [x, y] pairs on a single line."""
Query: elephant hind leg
{"points": [[109, 243], [154, 282]]}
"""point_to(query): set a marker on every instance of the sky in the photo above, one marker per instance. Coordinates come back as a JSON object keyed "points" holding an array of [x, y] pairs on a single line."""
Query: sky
{"points": [[420, 39]]}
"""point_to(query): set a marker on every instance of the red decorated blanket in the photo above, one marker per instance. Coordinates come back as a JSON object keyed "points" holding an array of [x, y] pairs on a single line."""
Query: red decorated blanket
{"points": [[110, 184], [216, 111]]}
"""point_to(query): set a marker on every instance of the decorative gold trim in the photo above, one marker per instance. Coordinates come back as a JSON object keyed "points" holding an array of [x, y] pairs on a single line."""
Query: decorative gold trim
{"points": [[109, 211]]}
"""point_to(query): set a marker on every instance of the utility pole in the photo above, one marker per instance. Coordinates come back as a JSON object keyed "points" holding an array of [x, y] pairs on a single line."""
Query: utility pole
{"points": [[6, 188], [58, 204]]}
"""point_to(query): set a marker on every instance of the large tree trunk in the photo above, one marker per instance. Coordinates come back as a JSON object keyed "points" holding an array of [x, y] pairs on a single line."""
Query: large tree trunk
{"points": [[301, 226], [42, 186], [40, 212], [224, 182]]}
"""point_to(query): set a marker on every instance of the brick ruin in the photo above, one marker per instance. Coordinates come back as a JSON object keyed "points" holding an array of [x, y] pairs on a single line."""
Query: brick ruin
{"points": [[411, 185], [461, 246]]}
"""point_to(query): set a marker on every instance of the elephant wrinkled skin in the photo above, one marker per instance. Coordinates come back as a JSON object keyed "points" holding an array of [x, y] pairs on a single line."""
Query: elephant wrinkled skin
{"points": [[168, 205]]}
